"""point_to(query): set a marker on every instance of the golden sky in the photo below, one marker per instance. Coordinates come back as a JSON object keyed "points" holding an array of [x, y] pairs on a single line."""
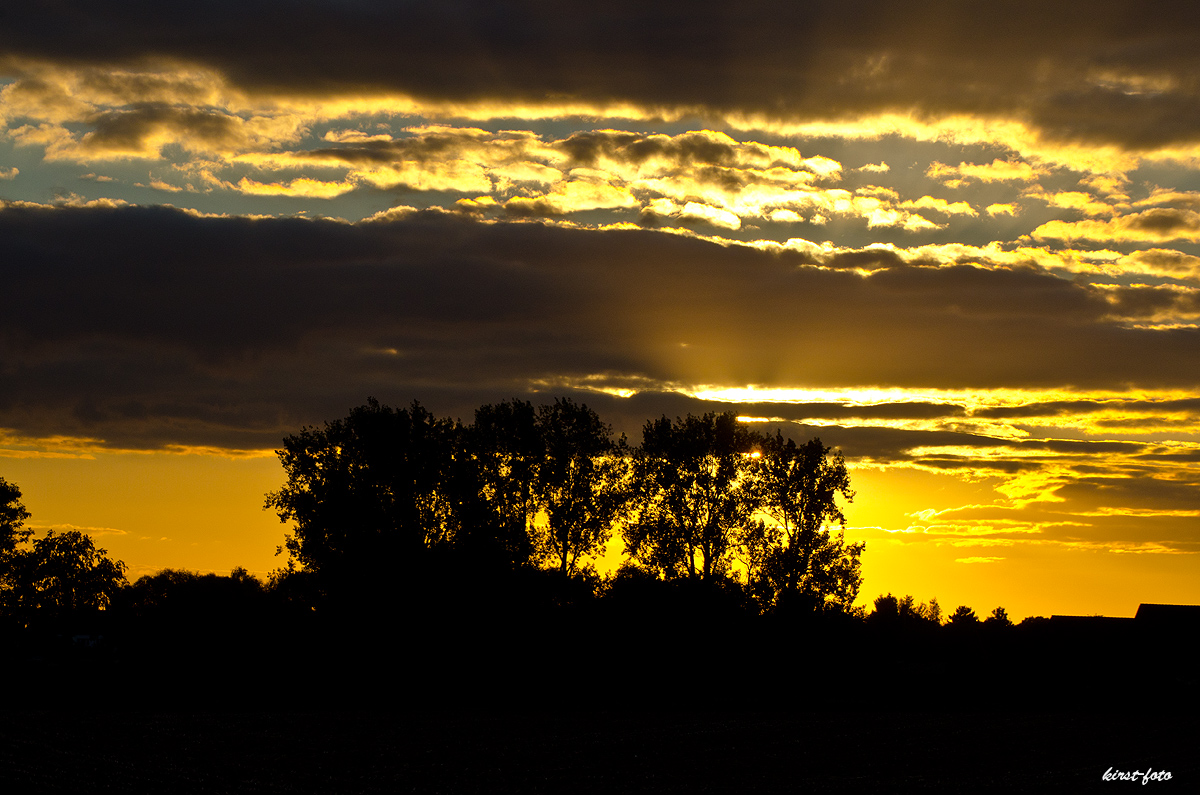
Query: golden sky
{"points": [[960, 243]]}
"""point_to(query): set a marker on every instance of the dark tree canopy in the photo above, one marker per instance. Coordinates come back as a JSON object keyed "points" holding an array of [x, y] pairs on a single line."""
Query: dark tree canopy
{"points": [[62, 574], [12, 517], [12, 535], [504, 447], [174, 603], [383, 487], [795, 562], [581, 487], [963, 616], [65, 574], [693, 500], [998, 618], [387, 494], [370, 489], [178, 589], [893, 611]]}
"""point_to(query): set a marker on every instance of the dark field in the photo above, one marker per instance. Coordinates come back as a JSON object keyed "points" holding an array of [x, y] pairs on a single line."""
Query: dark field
{"points": [[711, 706], [107, 747]]}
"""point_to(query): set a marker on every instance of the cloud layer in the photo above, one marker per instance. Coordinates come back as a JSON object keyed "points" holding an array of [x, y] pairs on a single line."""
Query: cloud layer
{"points": [[1114, 73], [126, 317]]}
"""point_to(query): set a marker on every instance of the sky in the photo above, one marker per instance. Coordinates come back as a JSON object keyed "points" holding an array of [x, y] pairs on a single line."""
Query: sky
{"points": [[958, 242]]}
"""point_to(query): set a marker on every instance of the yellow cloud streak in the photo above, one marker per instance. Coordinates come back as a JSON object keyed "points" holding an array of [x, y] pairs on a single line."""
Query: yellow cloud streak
{"points": [[58, 94], [202, 114], [1102, 262], [1151, 226], [965, 129], [996, 171], [16, 445], [1074, 200], [308, 188], [972, 399], [1100, 416]]}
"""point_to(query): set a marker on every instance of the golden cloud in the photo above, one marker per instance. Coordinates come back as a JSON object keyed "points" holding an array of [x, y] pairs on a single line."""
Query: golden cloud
{"points": [[309, 188], [90, 114], [996, 171], [940, 206], [45, 92], [711, 215], [1157, 225], [1074, 200], [586, 190]]}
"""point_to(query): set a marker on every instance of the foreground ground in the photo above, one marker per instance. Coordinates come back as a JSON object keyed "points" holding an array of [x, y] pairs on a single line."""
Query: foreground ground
{"points": [[111, 748]]}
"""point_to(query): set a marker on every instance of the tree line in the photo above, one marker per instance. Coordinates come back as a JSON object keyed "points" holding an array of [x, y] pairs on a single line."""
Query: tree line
{"points": [[703, 500], [433, 562], [396, 504], [62, 574]]}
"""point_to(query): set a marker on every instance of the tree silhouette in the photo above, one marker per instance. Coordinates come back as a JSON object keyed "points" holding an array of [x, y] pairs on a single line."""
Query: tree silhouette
{"points": [[933, 611], [505, 447], [12, 535], [65, 574], [174, 604], [12, 517], [998, 618], [581, 484], [368, 492], [904, 611], [387, 500], [794, 561], [371, 493], [692, 496], [12, 532], [963, 616], [158, 591]]}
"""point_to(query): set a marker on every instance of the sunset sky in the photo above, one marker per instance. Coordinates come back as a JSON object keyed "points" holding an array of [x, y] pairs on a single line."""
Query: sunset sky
{"points": [[958, 241]]}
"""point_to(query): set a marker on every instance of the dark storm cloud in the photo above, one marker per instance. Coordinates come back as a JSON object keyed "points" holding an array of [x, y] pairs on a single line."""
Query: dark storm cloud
{"points": [[1185, 457], [1007, 466], [533, 208], [1145, 301], [1163, 221], [1071, 522], [1079, 447], [833, 411], [586, 148], [629, 415], [1151, 117], [221, 330], [867, 259], [708, 157], [1144, 493], [1155, 225], [880, 444], [898, 444], [424, 147], [1056, 408], [1110, 71], [130, 129], [1062, 408]]}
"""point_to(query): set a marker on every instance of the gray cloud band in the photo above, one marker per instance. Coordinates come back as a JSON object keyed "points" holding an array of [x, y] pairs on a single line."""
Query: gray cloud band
{"points": [[1115, 74], [146, 326]]}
